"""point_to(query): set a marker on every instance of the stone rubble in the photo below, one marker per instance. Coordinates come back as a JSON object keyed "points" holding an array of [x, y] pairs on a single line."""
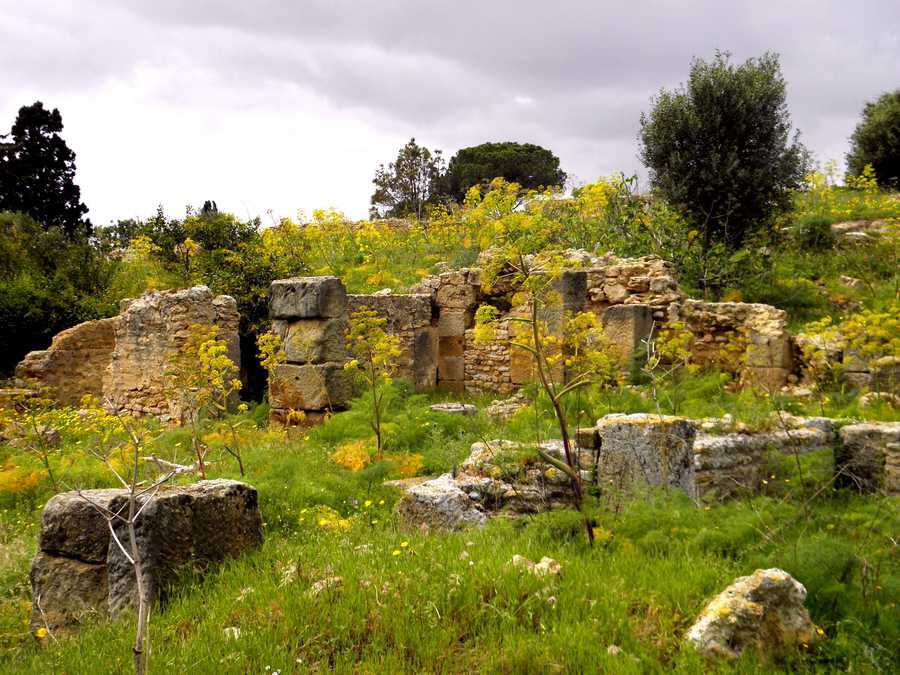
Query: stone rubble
{"points": [[763, 611]]}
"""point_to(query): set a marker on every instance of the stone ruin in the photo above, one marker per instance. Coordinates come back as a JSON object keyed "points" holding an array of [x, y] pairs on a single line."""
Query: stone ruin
{"points": [[631, 297], [123, 360], [79, 570], [707, 460]]}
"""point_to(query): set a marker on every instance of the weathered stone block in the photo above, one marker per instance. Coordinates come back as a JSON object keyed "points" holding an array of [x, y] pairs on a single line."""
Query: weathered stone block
{"points": [[454, 322], [645, 448], [425, 358], [868, 458], [439, 504], [769, 351], [451, 368], [307, 298], [627, 326], [763, 612], [768, 379], [310, 386], [572, 288], [886, 375], [451, 345], [456, 295], [65, 591], [74, 528], [313, 340]]}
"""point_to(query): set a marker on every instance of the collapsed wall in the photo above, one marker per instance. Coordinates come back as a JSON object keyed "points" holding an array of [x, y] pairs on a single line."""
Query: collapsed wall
{"points": [[124, 360], [74, 363]]}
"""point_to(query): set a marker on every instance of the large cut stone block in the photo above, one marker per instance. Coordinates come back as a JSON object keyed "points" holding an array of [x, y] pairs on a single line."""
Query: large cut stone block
{"points": [[425, 356], [74, 528], [646, 448], [82, 570], [454, 322], [307, 298], [572, 288], [868, 458], [65, 591], [626, 327], [451, 368], [456, 295], [310, 386], [313, 340], [198, 524]]}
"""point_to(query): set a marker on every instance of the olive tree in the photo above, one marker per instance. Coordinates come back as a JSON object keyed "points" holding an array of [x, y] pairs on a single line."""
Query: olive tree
{"points": [[721, 148]]}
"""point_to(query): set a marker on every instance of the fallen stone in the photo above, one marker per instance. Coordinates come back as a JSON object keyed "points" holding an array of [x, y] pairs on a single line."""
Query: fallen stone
{"points": [[81, 569], [439, 504], [763, 611], [505, 409], [454, 408], [874, 398]]}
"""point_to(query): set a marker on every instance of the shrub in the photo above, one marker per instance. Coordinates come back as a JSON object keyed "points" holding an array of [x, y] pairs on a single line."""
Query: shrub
{"points": [[876, 140]]}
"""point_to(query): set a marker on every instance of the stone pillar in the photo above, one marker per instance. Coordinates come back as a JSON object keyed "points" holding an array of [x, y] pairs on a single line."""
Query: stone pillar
{"points": [[456, 300], [627, 327], [310, 316], [868, 457], [647, 449]]}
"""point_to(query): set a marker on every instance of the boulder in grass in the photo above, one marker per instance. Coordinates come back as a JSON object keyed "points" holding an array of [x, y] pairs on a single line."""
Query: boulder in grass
{"points": [[763, 612], [439, 504]]}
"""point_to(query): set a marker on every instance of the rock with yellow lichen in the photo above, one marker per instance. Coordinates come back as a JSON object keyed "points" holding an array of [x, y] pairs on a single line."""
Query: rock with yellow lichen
{"points": [[763, 611]]}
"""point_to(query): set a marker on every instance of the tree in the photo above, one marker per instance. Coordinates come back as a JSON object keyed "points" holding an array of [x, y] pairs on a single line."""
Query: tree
{"points": [[531, 166], [876, 140], [408, 184], [720, 147], [375, 355], [37, 172]]}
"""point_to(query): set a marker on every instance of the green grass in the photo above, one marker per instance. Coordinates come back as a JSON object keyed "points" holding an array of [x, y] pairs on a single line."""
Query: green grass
{"points": [[452, 603]]}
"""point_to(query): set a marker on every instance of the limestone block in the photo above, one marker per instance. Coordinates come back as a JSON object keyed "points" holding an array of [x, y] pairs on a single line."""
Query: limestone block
{"points": [[868, 458], [439, 504], [627, 326], [456, 295], [886, 375], [645, 448], [425, 359], [763, 612], [310, 386], [454, 321], [307, 298], [72, 527], [572, 288], [313, 340], [201, 523], [65, 591], [770, 351], [521, 366], [615, 293], [451, 368]]}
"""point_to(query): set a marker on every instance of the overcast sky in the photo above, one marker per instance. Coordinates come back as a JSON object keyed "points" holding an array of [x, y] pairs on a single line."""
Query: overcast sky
{"points": [[290, 104]]}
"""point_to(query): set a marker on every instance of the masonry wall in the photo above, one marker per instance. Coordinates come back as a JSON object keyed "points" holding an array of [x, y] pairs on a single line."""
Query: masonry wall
{"points": [[123, 360]]}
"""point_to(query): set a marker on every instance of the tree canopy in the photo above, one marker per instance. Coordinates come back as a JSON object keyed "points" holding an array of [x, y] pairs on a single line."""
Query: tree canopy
{"points": [[721, 147], [876, 140], [531, 166], [408, 184], [37, 172]]}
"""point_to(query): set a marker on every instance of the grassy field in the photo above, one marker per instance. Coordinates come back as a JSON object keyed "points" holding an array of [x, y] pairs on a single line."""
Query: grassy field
{"points": [[410, 602]]}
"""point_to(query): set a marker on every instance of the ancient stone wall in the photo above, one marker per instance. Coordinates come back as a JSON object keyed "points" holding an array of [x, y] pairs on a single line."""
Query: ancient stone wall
{"points": [[751, 340], [310, 315], [150, 332], [123, 360], [409, 317], [74, 363]]}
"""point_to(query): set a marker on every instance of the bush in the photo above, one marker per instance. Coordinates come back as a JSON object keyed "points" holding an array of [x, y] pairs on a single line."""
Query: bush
{"points": [[720, 147], [876, 140]]}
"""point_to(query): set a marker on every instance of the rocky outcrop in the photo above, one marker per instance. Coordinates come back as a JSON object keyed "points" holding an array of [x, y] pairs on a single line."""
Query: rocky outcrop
{"points": [[762, 612], [80, 570], [123, 360], [74, 364], [868, 458]]}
